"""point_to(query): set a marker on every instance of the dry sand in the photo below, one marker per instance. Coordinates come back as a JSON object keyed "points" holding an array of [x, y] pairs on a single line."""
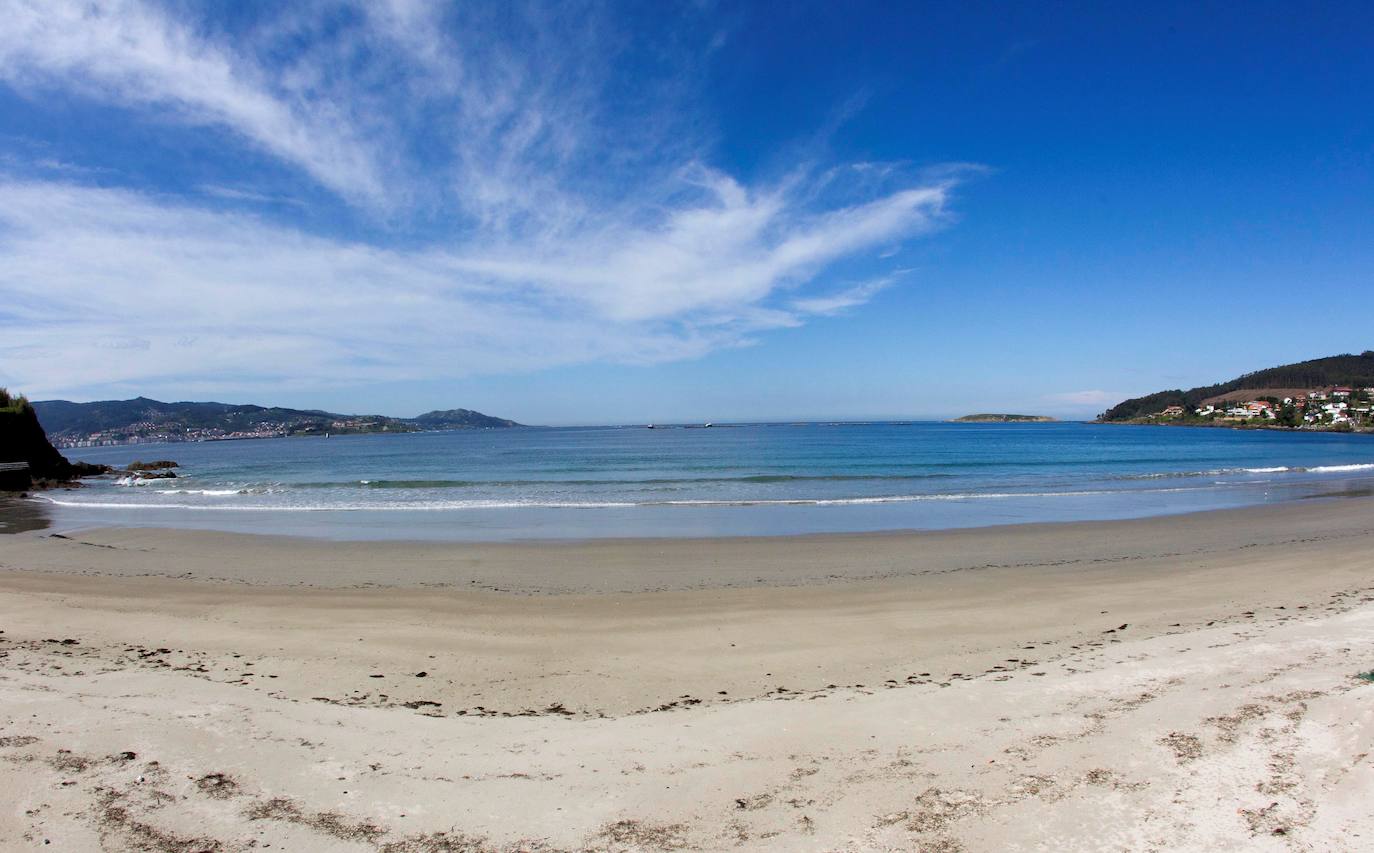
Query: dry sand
{"points": [[1184, 683]]}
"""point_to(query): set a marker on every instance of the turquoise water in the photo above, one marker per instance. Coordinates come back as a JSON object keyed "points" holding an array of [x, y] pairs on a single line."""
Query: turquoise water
{"points": [[735, 480]]}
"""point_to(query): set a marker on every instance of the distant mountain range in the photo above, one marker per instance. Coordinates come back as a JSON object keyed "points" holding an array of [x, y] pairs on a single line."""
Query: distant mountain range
{"points": [[1351, 370], [143, 419]]}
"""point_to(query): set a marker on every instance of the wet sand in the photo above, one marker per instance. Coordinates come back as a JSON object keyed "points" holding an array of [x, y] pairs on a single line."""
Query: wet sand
{"points": [[974, 689]]}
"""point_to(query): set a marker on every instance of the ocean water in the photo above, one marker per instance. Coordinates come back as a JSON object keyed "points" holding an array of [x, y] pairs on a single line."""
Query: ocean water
{"points": [[734, 480]]}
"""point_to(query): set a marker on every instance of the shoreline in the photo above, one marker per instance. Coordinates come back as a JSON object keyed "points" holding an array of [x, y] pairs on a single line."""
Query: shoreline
{"points": [[28, 514], [1236, 426], [704, 490], [994, 688], [619, 564]]}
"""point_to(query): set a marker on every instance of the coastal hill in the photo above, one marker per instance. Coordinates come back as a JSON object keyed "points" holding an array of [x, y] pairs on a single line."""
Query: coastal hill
{"points": [[1003, 419], [1285, 380], [144, 419], [26, 455], [459, 419]]}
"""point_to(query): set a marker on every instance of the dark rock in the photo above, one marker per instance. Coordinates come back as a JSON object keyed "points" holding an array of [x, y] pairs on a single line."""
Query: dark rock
{"points": [[23, 443], [159, 465], [89, 469]]}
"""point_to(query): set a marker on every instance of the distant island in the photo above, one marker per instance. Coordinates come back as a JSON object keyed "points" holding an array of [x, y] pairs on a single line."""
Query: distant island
{"points": [[1335, 393], [1003, 419], [143, 420]]}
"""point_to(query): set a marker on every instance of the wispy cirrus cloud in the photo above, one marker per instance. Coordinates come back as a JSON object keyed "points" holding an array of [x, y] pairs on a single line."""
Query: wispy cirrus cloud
{"points": [[132, 54], [829, 304], [248, 195], [567, 209], [85, 264]]}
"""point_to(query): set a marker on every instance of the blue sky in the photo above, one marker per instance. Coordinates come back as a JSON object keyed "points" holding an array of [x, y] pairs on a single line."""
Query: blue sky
{"points": [[652, 212]]}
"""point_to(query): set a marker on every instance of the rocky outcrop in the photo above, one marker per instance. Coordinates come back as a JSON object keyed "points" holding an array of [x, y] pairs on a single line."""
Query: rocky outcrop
{"points": [[22, 440], [159, 465]]}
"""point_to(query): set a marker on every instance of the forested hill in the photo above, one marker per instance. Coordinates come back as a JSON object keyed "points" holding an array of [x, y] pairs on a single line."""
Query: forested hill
{"points": [[998, 418], [64, 416], [145, 418], [458, 419], [1353, 370]]}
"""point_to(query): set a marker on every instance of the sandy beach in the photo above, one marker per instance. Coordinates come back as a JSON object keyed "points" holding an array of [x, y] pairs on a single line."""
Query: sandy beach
{"points": [[624, 427], [1185, 682]]}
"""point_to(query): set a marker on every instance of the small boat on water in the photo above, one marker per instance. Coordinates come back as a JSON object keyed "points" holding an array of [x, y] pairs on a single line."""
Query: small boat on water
{"points": [[651, 426]]}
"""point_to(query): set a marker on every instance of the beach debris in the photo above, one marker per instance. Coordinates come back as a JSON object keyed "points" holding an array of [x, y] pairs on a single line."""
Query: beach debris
{"points": [[113, 815], [438, 842], [17, 740], [1185, 747], [1263, 819], [935, 809], [327, 823], [70, 761], [1366, 676], [217, 785], [638, 835], [421, 674], [753, 803]]}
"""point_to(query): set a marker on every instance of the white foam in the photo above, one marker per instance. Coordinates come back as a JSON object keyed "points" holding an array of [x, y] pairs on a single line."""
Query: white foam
{"points": [[417, 507], [437, 506], [243, 497]]}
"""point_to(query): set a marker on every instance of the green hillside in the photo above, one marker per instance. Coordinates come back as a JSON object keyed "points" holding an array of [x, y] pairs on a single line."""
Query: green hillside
{"points": [[1000, 418], [1353, 370], [145, 417]]}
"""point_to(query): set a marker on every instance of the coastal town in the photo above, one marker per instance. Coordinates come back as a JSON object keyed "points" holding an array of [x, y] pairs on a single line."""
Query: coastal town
{"points": [[156, 432], [146, 421], [1338, 407]]}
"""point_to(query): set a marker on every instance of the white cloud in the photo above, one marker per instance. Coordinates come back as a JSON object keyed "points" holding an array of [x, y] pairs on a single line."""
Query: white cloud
{"points": [[851, 297], [736, 251], [248, 195], [130, 54], [214, 295], [585, 223]]}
